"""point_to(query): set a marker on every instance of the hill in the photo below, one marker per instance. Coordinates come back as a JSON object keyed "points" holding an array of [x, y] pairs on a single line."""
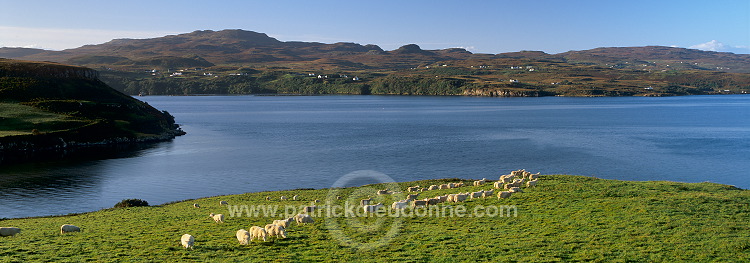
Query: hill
{"points": [[563, 218], [208, 62], [49, 106]]}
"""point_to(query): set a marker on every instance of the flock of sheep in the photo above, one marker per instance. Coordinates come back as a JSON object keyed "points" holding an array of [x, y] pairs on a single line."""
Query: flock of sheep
{"points": [[276, 229], [511, 183]]}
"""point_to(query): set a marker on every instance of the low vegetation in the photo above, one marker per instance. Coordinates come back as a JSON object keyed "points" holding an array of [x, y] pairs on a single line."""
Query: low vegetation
{"points": [[49, 106], [563, 218]]}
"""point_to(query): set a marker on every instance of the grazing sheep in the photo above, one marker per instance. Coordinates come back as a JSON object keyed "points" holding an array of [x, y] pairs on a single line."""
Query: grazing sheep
{"points": [[498, 184], [418, 203], [282, 198], [283, 222], [476, 194], [432, 201], [383, 192], [268, 198], [219, 218], [442, 198], [223, 203], [372, 208], [303, 219], [532, 183], [433, 187], [364, 202], [460, 197], [399, 204], [451, 198], [488, 193], [338, 197], [516, 190], [9, 231], [534, 176], [243, 236], [295, 197], [257, 232], [412, 189], [309, 209], [275, 231], [444, 186], [459, 184], [196, 206], [187, 241], [478, 183], [503, 194], [507, 178], [317, 201], [69, 228], [412, 196]]}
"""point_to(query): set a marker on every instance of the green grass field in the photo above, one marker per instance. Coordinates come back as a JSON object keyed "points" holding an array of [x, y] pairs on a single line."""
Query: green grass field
{"points": [[564, 218], [17, 119]]}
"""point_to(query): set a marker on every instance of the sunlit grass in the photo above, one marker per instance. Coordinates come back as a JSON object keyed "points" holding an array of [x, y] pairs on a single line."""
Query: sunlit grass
{"points": [[17, 119], [565, 218]]}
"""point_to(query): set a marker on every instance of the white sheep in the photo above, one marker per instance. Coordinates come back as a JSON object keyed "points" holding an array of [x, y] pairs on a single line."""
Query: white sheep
{"points": [[515, 190], [532, 183], [418, 203], [400, 204], [218, 218], [9, 231], [534, 176], [412, 189], [243, 236], [476, 194], [196, 205], [283, 222], [498, 184], [257, 232], [442, 198], [275, 231], [187, 241], [433, 187], [503, 194], [460, 197], [444, 186], [364, 202], [309, 209], [383, 192], [295, 197], [488, 193], [283, 198], [372, 208], [223, 203], [303, 219], [412, 196], [69, 228], [268, 198]]}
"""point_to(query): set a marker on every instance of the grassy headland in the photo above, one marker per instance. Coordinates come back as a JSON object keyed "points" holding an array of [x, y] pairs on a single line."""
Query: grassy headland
{"points": [[53, 106], [564, 218]]}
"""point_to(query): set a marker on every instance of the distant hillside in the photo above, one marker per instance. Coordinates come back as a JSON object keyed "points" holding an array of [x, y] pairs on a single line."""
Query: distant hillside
{"points": [[55, 106], [246, 62], [662, 58]]}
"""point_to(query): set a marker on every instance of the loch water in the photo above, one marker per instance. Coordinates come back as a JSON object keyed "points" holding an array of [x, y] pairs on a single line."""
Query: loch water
{"points": [[237, 144]]}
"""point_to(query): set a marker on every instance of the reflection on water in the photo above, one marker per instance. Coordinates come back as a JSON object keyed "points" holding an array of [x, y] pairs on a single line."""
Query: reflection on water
{"points": [[238, 144]]}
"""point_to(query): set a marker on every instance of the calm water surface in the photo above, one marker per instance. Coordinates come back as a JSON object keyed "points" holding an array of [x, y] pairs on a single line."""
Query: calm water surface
{"points": [[238, 144]]}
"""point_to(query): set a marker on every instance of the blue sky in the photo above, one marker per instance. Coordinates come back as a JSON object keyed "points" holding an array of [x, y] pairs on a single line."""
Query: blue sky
{"points": [[479, 26]]}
